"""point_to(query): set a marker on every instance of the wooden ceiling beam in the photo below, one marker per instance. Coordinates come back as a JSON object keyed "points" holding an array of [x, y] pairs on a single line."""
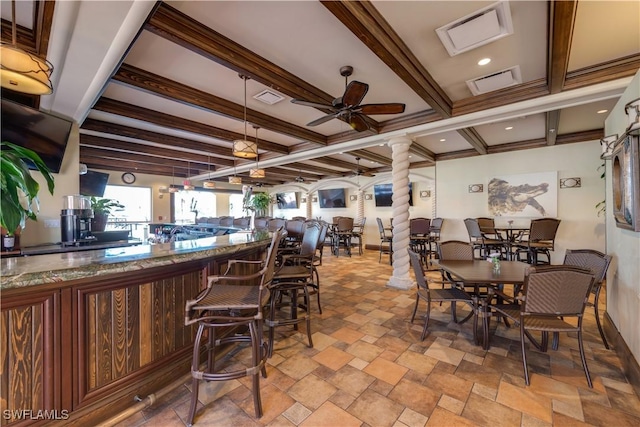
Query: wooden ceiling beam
{"points": [[142, 158], [562, 16], [374, 157], [120, 108], [177, 92], [311, 168], [132, 147], [125, 166], [366, 23], [604, 72], [419, 150], [502, 97], [552, 121], [335, 163], [474, 139]]}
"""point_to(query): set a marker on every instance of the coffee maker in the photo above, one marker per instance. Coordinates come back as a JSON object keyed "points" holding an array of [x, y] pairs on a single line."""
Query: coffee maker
{"points": [[75, 220]]}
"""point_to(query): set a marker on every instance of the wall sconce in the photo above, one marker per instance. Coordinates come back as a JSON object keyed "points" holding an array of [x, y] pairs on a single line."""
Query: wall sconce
{"points": [[607, 143], [368, 196], [570, 183], [314, 199], [353, 197], [632, 109], [303, 200], [425, 193], [476, 188]]}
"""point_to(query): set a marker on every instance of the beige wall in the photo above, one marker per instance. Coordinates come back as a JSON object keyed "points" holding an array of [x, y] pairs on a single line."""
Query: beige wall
{"points": [[623, 277], [580, 227]]}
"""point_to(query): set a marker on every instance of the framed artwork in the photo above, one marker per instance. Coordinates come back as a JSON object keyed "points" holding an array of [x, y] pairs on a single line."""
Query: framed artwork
{"points": [[532, 195], [625, 164], [353, 197], [424, 194], [570, 182], [368, 196], [476, 188]]}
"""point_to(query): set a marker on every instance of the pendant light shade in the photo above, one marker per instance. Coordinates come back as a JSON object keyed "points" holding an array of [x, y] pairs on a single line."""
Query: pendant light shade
{"points": [[235, 180], [256, 172], [243, 147], [22, 71]]}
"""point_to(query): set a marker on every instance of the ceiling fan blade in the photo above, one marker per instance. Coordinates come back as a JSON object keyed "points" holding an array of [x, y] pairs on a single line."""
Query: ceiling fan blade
{"points": [[323, 119], [354, 93], [312, 104], [358, 122], [389, 108]]}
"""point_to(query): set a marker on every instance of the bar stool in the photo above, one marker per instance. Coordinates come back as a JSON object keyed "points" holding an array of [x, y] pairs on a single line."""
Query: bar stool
{"points": [[232, 301]]}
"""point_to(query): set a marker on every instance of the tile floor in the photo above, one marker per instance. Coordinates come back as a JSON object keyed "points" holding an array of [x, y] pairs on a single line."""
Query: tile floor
{"points": [[368, 367]]}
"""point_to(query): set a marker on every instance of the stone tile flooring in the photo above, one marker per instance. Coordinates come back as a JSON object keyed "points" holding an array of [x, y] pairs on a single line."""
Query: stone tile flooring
{"points": [[368, 367]]}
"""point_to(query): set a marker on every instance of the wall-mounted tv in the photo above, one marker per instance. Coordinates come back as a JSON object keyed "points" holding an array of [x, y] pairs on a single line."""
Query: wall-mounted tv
{"points": [[287, 200], [43, 133], [383, 194], [93, 183], [334, 198]]}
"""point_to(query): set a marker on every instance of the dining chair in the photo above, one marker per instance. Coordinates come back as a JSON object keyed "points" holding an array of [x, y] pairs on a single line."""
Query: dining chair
{"points": [[386, 241], [484, 245], [342, 235], [550, 296], [451, 294], [419, 229], [599, 264], [232, 300], [435, 229], [540, 241], [358, 232], [488, 228]]}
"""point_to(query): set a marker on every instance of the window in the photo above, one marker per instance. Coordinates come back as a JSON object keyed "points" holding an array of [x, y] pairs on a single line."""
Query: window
{"points": [[189, 205], [136, 201]]}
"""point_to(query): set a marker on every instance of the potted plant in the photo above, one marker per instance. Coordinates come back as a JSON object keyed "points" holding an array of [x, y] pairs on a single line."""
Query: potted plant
{"points": [[260, 203], [102, 208], [19, 189]]}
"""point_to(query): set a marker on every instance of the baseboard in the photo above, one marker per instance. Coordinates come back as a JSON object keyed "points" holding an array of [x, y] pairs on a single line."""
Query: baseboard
{"points": [[629, 363]]}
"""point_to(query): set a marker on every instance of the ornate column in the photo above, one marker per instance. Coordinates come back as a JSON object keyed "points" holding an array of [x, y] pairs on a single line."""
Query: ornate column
{"points": [[400, 177], [360, 210], [309, 206]]}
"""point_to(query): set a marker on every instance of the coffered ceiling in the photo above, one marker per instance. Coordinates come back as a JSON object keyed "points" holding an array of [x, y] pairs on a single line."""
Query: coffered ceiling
{"points": [[156, 86]]}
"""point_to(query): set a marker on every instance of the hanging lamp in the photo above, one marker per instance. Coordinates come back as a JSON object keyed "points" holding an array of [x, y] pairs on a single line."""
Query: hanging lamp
{"points": [[20, 70], [242, 147], [257, 172], [208, 184], [173, 188], [186, 184]]}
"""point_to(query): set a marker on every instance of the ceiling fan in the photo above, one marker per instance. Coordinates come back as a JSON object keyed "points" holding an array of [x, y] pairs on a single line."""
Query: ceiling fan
{"points": [[361, 172], [348, 108]]}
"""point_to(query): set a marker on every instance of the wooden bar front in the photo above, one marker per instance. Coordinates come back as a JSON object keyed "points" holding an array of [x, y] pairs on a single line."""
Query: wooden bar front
{"points": [[79, 351]]}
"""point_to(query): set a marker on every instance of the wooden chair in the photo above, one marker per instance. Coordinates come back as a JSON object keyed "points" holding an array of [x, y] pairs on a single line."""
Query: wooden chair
{"points": [[451, 294], [386, 241], [599, 264], [484, 245], [232, 301], [357, 233], [541, 241]]}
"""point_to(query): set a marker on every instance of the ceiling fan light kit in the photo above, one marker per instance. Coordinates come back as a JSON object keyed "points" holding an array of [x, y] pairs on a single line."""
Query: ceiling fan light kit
{"points": [[348, 108], [22, 71]]}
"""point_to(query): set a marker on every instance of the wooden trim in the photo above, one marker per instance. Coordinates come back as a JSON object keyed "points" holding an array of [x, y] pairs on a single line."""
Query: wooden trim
{"points": [[366, 23], [498, 98], [630, 365], [419, 150], [562, 16], [474, 139], [604, 72], [551, 126]]}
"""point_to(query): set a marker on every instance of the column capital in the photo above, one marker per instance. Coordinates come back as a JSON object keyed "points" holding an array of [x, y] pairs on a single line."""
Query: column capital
{"points": [[400, 139]]}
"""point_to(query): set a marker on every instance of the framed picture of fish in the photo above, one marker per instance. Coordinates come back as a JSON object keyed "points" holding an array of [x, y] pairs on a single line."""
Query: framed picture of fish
{"points": [[625, 168], [532, 195]]}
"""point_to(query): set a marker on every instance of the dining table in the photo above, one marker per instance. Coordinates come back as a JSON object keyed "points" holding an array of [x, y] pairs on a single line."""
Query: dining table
{"points": [[477, 273], [510, 235]]}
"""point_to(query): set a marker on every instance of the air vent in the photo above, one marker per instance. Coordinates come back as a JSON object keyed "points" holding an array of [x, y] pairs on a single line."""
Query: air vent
{"points": [[269, 97], [479, 28], [495, 81]]}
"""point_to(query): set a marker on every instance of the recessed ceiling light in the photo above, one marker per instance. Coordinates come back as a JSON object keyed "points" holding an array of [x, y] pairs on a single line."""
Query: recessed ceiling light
{"points": [[601, 111], [484, 61], [442, 140], [508, 128]]}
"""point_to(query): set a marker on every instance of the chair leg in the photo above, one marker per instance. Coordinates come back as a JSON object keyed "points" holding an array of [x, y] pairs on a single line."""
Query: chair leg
{"points": [[308, 310], [597, 313], [584, 360], [316, 286], [524, 353], [426, 321], [415, 309], [256, 361]]}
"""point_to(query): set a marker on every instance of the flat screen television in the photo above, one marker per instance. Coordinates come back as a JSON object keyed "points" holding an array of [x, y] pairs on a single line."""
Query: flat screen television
{"points": [[287, 200], [43, 133], [93, 183], [383, 194], [334, 198]]}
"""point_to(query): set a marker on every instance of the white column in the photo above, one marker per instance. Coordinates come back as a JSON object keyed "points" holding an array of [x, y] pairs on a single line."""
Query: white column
{"points": [[309, 207], [360, 211], [400, 177]]}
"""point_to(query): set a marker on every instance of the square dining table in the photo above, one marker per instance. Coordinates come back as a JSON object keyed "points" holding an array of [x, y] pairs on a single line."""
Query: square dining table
{"points": [[481, 272]]}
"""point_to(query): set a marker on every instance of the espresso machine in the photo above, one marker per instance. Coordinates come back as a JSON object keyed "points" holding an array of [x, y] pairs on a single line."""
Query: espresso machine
{"points": [[75, 221]]}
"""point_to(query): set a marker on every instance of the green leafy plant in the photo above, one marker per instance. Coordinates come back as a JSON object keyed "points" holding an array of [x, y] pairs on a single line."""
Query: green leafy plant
{"points": [[104, 206], [260, 203], [18, 188]]}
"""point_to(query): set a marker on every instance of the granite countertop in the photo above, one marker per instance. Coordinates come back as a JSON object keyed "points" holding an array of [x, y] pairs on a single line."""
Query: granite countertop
{"points": [[30, 271]]}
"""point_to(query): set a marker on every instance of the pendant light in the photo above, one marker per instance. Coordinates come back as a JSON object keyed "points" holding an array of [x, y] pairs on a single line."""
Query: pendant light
{"points": [[186, 184], [20, 70], [173, 188], [257, 172], [208, 183], [242, 147]]}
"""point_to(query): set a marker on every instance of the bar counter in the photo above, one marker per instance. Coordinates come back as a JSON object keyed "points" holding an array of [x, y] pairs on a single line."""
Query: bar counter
{"points": [[87, 334]]}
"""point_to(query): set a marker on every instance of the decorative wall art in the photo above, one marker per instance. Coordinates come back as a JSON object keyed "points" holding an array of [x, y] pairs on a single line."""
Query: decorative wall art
{"points": [[353, 197], [303, 200], [625, 164], [314, 199], [476, 188], [368, 196], [530, 195], [570, 182], [424, 194]]}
